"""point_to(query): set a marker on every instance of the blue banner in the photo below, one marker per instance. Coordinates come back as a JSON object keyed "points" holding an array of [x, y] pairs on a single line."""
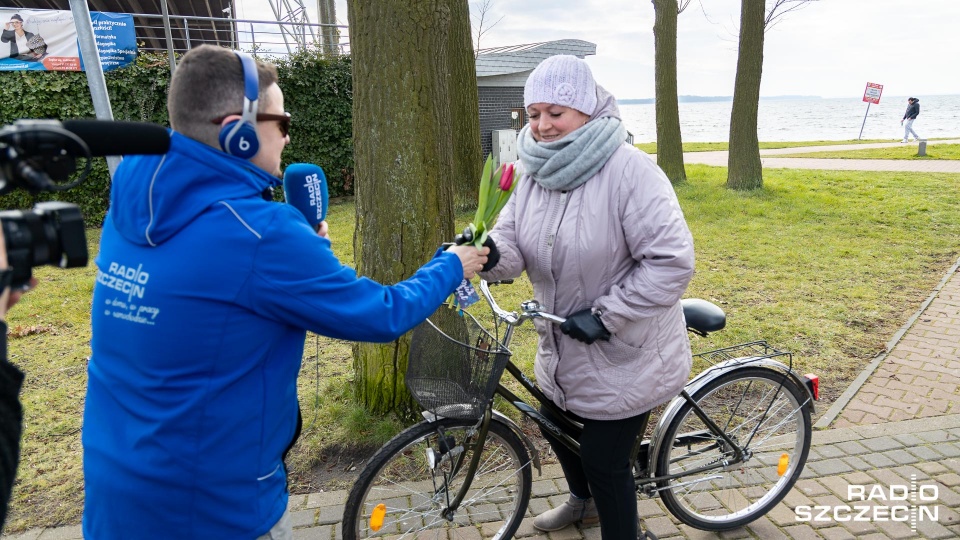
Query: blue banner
{"points": [[46, 40]]}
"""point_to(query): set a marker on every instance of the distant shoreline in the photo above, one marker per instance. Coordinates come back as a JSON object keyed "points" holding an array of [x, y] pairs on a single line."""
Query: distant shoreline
{"points": [[702, 99]]}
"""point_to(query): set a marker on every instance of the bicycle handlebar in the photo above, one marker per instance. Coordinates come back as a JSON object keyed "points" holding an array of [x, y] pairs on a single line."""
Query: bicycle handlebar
{"points": [[531, 309]]}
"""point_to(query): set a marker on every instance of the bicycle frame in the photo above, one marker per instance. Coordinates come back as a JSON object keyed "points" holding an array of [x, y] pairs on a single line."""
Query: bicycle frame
{"points": [[645, 482]]}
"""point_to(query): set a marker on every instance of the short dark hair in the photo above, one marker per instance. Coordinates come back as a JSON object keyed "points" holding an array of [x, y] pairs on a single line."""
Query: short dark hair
{"points": [[208, 84], [16, 17]]}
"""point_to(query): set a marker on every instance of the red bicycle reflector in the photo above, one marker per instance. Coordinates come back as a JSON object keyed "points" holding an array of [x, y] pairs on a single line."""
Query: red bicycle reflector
{"points": [[813, 384]]}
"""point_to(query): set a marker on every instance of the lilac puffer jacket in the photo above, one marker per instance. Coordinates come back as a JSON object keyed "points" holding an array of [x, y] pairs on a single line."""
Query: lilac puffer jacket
{"points": [[618, 243]]}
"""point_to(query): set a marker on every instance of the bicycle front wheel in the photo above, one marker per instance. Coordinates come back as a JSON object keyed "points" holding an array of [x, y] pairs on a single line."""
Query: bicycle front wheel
{"points": [[764, 413], [406, 487]]}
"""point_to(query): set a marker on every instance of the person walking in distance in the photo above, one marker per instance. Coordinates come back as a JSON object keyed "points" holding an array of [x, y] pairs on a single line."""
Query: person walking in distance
{"points": [[913, 110]]}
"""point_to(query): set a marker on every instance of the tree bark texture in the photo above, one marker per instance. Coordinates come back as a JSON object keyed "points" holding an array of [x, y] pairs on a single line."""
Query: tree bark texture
{"points": [[669, 142], [403, 154], [464, 108], [744, 169]]}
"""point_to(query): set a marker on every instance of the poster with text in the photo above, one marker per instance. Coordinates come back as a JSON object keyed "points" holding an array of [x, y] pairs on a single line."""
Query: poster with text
{"points": [[46, 40]]}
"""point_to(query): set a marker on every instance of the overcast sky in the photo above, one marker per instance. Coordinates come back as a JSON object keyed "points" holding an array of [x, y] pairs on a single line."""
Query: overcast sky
{"points": [[830, 48]]}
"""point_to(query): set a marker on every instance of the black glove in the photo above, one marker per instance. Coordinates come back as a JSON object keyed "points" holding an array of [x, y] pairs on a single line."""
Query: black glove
{"points": [[585, 326], [493, 257]]}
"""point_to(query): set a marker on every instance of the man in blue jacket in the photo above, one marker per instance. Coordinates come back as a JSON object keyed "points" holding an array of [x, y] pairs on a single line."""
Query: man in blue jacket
{"points": [[203, 295]]}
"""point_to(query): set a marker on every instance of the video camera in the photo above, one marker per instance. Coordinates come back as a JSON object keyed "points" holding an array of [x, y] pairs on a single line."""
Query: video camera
{"points": [[39, 156]]}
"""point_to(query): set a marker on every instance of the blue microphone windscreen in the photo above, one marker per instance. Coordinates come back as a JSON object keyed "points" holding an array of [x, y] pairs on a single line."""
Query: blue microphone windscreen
{"points": [[305, 187]]}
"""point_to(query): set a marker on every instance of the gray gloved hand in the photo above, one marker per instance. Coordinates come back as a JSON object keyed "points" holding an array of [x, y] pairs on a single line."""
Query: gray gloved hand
{"points": [[585, 326]]}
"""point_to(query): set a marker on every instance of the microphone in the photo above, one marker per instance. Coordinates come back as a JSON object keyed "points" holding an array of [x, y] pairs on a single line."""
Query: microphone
{"points": [[305, 188], [118, 138]]}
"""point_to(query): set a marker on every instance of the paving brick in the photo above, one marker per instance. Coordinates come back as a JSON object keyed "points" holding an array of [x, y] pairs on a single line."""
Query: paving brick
{"points": [[649, 508], [952, 464], [933, 530], [836, 484], [304, 518], [948, 449], [329, 515], [901, 456], [690, 533], [879, 461], [946, 495], [857, 463], [783, 514], [661, 526], [924, 453], [326, 498], [881, 444], [763, 528], [852, 448], [949, 479], [801, 532], [827, 451], [932, 468], [812, 488], [322, 532], [70, 532], [830, 467], [544, 488], [936, 436], [836, 533], [895, 530]]}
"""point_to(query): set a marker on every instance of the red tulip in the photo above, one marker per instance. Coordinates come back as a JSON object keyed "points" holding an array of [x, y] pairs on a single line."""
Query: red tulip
{"points": [[507, 179]]}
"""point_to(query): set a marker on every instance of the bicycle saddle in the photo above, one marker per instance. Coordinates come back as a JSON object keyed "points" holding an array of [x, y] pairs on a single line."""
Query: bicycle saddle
{"points": [[703, 316]]}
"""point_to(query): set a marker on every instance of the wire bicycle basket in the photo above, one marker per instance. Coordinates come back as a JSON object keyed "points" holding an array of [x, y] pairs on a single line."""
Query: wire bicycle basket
{"points": [[454, 365]]}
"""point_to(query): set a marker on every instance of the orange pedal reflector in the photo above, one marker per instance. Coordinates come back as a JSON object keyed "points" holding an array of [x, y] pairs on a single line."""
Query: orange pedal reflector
{"points": [[781, 465], [379, 511]]}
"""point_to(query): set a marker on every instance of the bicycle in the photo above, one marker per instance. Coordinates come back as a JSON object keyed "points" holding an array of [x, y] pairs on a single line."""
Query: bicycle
{"points": [[723, 452]]}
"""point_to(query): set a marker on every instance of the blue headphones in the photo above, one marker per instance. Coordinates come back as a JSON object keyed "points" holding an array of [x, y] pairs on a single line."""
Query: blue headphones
{"points": [[239, 138]]}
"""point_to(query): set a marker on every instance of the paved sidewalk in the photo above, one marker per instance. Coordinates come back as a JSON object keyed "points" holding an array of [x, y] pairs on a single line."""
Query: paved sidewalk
{"points": [[897, 425], [719, 158]]}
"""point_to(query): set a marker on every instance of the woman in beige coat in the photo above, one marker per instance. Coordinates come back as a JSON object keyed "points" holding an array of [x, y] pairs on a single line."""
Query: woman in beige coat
{"points": [[598, 229]]}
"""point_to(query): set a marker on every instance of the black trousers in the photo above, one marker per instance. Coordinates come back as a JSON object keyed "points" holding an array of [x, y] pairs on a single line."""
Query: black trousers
{"points": [[604, 471]]}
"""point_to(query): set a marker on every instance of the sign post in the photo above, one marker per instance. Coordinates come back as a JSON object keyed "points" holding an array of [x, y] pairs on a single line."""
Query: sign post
{"points": [[871, 94]]}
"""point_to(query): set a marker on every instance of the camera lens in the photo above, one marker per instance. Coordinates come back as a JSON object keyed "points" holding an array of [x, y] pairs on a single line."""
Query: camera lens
{"points": [[52, 233]]}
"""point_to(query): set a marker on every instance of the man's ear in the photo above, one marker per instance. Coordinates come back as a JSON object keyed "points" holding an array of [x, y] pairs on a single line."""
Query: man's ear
{"points": [[231, 118]]}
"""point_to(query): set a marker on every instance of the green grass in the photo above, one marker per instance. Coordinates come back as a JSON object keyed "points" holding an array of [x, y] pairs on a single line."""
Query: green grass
{"points": [[651, 148], [907, 151], [827, 265]]}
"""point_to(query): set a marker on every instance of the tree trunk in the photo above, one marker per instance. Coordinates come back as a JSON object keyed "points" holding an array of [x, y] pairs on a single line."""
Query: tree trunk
{"points": [[403, 152], [744, 170], [669, 143], [465, 108]]}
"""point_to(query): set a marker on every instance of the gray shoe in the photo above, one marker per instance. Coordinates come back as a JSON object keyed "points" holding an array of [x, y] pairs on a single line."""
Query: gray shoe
{"points": [[573, 511]]}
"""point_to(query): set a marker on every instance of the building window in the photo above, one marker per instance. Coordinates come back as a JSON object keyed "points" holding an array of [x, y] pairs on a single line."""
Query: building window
{"points": [[516, 118]]}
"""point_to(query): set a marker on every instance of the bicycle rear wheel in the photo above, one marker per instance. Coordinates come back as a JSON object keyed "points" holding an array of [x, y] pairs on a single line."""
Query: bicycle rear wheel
{"points": [[764, 412], [399, 495]]}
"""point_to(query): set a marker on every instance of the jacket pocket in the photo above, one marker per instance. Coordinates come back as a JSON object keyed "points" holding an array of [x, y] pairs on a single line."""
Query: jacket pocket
{"points": [[619, 363]]}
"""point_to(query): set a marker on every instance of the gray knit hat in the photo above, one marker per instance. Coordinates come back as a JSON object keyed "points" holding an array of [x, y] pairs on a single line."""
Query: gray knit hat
{"points": [[562, 80]]}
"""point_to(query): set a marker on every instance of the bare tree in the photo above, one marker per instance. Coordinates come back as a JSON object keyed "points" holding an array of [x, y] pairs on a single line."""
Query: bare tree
{"points": [[669, 142], [483, 9], [744, 168], [403, 155]]}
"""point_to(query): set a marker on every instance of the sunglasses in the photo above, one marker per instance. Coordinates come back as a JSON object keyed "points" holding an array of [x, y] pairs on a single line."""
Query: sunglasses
{"points": [[282, 119]]}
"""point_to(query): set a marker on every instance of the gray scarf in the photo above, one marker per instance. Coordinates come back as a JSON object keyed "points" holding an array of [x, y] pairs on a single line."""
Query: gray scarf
{"points": [[566, 164]]}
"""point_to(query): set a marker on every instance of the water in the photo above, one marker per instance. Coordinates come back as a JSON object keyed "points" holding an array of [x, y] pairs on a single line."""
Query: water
{"points": [[833, 119]]}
